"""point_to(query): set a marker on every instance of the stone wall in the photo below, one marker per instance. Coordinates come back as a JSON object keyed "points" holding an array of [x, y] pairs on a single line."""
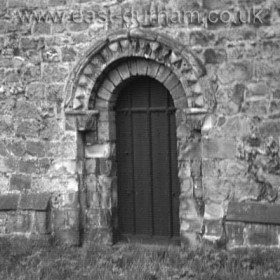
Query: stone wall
{"points": [[57, 173]]}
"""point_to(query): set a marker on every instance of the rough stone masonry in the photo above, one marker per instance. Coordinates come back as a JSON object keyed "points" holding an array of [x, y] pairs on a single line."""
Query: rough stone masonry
{"points": [[58, 170]]}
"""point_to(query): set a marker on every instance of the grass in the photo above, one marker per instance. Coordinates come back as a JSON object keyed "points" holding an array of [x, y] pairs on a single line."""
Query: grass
{"points": [[23, 261]]}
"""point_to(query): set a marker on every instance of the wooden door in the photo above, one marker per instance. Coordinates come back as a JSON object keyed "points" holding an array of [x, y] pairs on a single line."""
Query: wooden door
{"points": [[148, 186]]}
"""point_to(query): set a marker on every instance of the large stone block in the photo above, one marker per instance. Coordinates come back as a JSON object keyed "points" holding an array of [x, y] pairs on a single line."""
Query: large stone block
{"points": [[99, 218], [107, 167], [66, 200], [210, 168], [190, 150], [98, 151], [36, 149], [20, 222], [188, 208], [268, 128], [224, 148], [229, 168], [28, 166], [65, 219], [41, 225], [195, 225], [35, 201], [184, 169], [70, 237], [237, 126], [7, 165], [213, 229], [255, 108], [106, 131], [253, 212], [28, 128], [213, 56], [245, 189], [187, 187], [213, 210], [235, 234], [9, 202], [217, 190], [68, 54], [20, 182], [90, 166], [235, 71], [98, 236], [3, 149], [190, 240], [62, 167], [53, 73], [17, 148], [261, 235]]}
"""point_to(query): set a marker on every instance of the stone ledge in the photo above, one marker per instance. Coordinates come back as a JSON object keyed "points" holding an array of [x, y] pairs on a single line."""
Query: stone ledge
{"points": [[13, 202], [253, 212]]}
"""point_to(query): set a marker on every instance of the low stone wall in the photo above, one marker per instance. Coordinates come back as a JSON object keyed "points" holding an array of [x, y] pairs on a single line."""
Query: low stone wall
{"points": [[45, 216]]}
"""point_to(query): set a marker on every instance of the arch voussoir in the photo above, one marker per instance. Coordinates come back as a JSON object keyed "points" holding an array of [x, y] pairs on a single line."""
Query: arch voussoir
{"points": [[147, 53]]}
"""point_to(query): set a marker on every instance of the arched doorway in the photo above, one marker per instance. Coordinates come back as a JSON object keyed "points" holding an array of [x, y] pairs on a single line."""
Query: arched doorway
{"points": [[148, 185]]}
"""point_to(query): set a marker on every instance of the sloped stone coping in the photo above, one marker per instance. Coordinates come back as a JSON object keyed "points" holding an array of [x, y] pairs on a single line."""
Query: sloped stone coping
{"points": [[37, 202], [253, 212]]}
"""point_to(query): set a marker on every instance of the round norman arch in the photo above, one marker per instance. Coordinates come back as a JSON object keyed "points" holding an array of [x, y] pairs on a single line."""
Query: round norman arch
{"points": [[158, 48], [91, 94]]}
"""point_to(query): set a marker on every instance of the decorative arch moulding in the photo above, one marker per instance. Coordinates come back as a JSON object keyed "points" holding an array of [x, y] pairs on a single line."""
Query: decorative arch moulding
{"points": [[83, 84]]}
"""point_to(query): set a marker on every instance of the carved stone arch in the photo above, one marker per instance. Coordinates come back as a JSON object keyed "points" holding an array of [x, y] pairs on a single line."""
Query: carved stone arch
{"points": [[92, 90], [104, 93], [134, 43]]}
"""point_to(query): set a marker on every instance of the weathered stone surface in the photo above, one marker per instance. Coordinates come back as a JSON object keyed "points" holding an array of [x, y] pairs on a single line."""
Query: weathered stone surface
{"points": [[191, 151], [17, 148], [90, 166], [41, 225], [36, 149], [235, 234], [68, 54], [213, 211], [26, 110], [98, 151], [28, 129], [229, 73], [213, 229], [213, 56], [218, 190], [34, 201], [219, 148], [270, 128], [62, 167], [28, 166], [253, 212], [9, 202], [20, 182], [65, 200], [265, 235], [188, 208], [19, 222]]}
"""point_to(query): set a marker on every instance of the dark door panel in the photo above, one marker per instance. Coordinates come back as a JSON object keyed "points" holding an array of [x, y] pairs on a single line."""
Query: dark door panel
{"points": [[148, 186]]}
